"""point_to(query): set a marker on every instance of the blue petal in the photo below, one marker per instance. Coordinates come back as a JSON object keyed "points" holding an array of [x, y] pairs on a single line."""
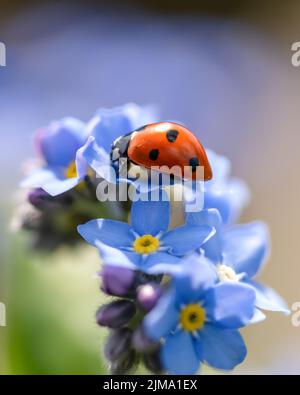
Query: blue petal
{"points": [[40, 176], [215, 198], [194, 275], [221, 167], [230, 305], [268, 299], [119, 258], [187, 238], [258, 316], [59, 142], [57, 186], [213, 247], [221, 349], [51, 180], [193, 196], [141, 115], [113, 233], [98, 160], [229, 199], [109, 124], [245, 247], [160, 262], [178, 354], [150, 217], [81, 163], [163, 318], [228, 195]]}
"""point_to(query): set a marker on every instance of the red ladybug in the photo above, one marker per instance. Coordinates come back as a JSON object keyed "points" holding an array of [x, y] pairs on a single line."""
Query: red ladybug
{"points": [[165, 144]]}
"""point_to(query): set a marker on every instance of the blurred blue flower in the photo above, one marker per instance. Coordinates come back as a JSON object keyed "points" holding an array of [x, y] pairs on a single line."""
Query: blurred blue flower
{"points": [[198, 319], [147, 244], [109, 124], [68, 146], [227, 194], [60, 146], [239, 252]]}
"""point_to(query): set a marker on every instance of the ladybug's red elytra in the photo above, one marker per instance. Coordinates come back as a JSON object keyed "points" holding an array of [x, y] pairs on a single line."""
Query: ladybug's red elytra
{"points": [[164, 144]]}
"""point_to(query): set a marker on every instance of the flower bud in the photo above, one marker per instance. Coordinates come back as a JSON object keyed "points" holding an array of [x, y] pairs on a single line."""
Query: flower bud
{"points": [[115, 314], [37, 197], [148, 295], [141, 341], [125, 365], [118, 344], [59, 141], [117, 281], [43, 201], [152, 361]]}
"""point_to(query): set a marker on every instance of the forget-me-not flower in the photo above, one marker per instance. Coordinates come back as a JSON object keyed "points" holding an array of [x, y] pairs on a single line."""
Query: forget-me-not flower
{"points": [[60, 147], [66, 146], [239, 252], [147, 242], [198, 319]]}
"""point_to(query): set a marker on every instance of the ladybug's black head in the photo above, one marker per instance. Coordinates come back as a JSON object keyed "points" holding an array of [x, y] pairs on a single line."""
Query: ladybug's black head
{"points": [[119, 147]]}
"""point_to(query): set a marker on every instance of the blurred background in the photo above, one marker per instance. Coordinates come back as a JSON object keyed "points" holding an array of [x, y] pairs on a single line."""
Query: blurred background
{"points": [[221, 67]]}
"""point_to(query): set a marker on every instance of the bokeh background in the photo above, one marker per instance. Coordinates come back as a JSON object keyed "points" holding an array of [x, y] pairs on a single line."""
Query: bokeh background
{"points": [[224, 69]]}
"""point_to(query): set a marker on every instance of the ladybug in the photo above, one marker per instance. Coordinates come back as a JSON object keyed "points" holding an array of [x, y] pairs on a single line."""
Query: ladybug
{"points": [[165, 144]]}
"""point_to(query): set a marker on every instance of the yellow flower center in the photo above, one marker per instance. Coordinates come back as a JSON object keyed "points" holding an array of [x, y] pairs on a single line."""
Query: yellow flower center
{"points": [[71, 171], [146, 244], [192, 317]]}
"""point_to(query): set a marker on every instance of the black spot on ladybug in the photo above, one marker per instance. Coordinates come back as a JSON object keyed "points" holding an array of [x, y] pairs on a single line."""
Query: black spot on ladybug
{"points": [[153, 154], [172, 135], [194, 162]]}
